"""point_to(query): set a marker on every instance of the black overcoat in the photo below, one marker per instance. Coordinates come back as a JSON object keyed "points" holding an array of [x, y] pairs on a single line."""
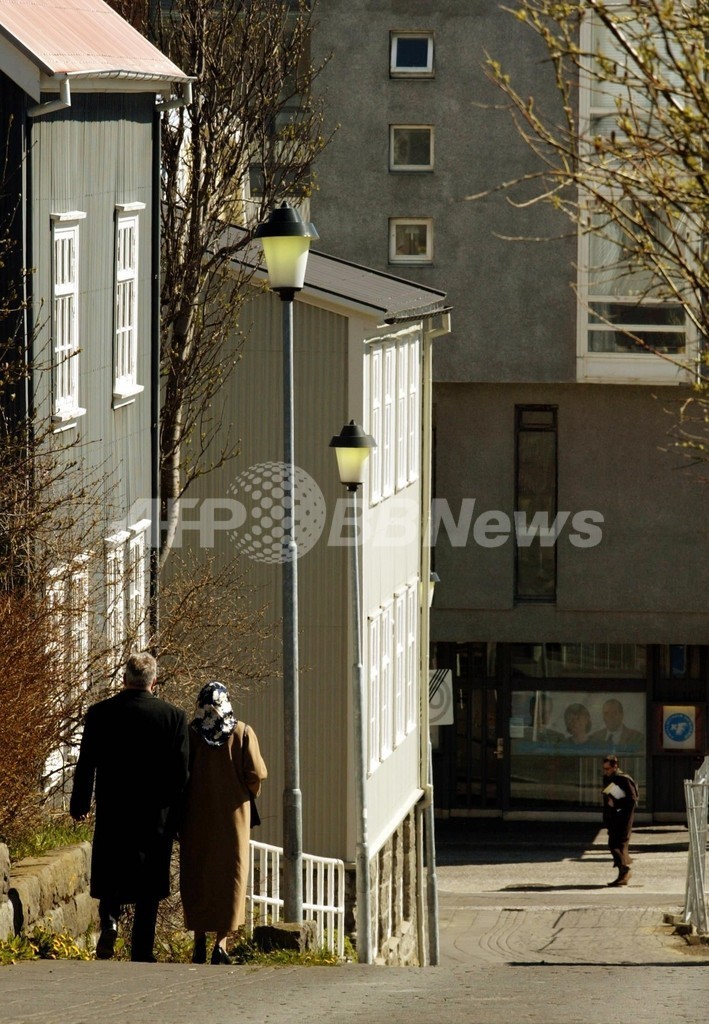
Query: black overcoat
{"points": [[134, 750]]}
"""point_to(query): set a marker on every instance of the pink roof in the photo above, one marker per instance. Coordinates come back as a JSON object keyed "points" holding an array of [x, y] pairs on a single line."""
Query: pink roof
{"points": [[80, 36]]}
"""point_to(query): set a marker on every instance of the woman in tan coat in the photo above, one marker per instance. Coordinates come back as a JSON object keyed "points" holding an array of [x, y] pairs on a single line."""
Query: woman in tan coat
{"points": [[226, 768]]}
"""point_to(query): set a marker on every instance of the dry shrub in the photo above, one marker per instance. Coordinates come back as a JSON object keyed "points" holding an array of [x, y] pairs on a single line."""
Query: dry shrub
{"points": [[32, 711]]}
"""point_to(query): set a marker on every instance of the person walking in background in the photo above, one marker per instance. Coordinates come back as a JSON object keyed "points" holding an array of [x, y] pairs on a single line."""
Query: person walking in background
{"points": [[134, 751], [226, 771], [620, 798]]}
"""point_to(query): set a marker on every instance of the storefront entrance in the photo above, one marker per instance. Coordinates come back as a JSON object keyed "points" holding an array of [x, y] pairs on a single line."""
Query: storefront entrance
{"points": [[532, 722]]}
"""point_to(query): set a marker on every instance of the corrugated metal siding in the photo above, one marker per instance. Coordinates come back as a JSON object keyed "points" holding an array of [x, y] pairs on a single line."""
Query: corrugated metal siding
{"points": [[254, 412], [89, 157]]}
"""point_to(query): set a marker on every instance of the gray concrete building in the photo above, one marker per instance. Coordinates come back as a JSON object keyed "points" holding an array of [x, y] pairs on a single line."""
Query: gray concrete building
{"points": [[549, 650]]}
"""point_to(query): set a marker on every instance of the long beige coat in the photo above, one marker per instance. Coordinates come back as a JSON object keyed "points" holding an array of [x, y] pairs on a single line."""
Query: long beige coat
{"points": [[214, 837]]}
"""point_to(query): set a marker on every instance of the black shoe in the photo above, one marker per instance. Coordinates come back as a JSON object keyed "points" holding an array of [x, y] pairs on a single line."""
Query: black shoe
{"points": [[199, 953], [146, 958], [106, 942], [220, 956]]}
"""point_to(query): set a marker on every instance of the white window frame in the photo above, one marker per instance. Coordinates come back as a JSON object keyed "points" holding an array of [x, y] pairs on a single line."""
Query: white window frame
{"points": [[405, 71], [402, 415], [68, 601], [400, 680], [374, 376], [398, 222], [388, 435], [394, 164], [115, 596], [413, 620], [373, 689], [414, 417], [386, 681], [65, 317], [136, 584], [126, 303]]}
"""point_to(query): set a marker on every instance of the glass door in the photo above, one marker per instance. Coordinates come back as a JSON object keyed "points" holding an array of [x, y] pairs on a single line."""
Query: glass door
{"points": [[479, 743]]}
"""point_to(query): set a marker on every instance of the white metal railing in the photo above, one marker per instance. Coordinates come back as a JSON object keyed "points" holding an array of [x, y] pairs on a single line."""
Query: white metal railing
{"points": [[323, 893], [696, 795]]}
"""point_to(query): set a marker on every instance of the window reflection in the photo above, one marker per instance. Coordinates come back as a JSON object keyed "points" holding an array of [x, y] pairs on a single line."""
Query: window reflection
{"points": [[557, 741]]}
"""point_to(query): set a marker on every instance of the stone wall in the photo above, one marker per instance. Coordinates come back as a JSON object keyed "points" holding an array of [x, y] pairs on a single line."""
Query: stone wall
{"points": [[49, 892], [394, 898]]}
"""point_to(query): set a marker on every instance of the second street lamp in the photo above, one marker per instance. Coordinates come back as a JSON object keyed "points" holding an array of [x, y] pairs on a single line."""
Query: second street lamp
{"points": [[286, 240], [352, 448]]}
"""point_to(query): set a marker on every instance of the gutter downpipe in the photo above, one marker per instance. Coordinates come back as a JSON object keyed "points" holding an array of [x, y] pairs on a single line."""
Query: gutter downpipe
{"points": [[49, 106], [425, 807]]}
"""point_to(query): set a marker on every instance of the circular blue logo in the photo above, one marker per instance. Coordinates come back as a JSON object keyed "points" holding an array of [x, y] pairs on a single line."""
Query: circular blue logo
{"points": [[679, 727]]}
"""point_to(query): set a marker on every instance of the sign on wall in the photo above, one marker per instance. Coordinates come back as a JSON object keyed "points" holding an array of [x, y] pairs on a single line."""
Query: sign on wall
{"points": [[440, 696], [681, 727]]}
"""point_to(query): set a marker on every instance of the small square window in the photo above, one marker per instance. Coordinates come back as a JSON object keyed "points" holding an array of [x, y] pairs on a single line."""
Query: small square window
{"points": [[410, 147], [411, 53], [410, 240]]}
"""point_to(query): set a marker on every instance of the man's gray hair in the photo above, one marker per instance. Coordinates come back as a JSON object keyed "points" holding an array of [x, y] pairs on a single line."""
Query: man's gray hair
{"points": [[141, 670]]}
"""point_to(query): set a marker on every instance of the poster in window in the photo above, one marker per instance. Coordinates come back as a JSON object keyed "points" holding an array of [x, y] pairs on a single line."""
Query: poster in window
{"points": [[574, 723]]}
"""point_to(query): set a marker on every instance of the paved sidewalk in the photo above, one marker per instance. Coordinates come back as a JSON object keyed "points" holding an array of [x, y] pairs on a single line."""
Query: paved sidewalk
{"points": [[529, 932]]}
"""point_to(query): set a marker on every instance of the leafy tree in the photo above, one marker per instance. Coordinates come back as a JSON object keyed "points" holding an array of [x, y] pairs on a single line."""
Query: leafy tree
{"points": [[624, 156]]}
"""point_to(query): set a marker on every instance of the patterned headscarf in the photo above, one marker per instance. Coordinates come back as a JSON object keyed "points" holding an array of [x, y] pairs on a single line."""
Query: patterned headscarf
{"points": [[214, 719]]}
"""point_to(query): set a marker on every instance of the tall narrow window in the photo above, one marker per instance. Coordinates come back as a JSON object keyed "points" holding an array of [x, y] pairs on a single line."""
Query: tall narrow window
{"points": [[536, 503], [375, 421], [65, 316], [399, 667], [412, 629], [115, 598], [136, 590], [374, 692], [388, 441], [386, 680], [402, 415], [126, 340], [414, 417]]}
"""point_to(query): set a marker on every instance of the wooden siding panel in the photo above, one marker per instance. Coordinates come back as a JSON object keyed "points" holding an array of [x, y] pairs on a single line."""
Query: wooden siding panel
{"points": [[90, 157], [253, 405]]}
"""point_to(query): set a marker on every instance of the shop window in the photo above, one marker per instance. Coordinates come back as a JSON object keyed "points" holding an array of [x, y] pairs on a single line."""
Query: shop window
{"points": [[535, 504], [590, 661], [558, 737], [680, 661]]}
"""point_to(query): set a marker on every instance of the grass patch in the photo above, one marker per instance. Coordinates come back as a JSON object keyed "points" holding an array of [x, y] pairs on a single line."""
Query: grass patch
{"points": [[55, 832]]}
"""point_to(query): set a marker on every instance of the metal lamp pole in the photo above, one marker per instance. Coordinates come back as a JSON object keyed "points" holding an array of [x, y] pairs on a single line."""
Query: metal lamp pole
{"points": [[286, 240], [352, 447]]}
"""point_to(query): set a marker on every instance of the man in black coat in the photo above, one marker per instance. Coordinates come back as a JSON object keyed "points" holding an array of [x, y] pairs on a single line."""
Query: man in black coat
{"points": [[134, 751], [620, 797]]}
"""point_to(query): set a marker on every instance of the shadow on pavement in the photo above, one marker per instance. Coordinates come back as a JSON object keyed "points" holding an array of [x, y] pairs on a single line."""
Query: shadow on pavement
{"points": [[549, 888], [479, 841]]}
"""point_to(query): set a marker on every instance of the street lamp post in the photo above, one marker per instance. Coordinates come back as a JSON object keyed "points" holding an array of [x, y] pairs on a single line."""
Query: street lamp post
{"points": [[286, 240], [352, 447]]}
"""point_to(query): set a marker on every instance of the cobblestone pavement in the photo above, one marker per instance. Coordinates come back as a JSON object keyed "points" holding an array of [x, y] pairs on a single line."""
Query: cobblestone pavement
{"points": [[530, 934]]}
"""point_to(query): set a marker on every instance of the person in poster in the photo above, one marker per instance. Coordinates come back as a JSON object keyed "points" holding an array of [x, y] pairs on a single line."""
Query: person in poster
{"points": [[616, 736]]}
